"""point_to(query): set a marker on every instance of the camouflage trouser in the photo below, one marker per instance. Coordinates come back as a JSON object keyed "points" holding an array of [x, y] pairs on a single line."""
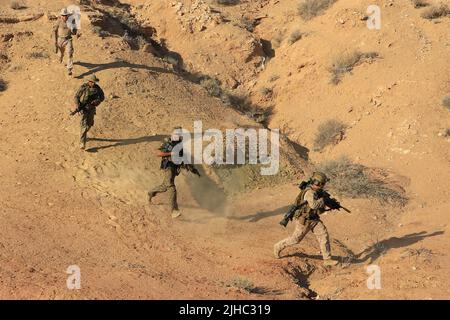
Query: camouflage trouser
{"points": [[319, 230], [64, 43], [87, 121], [168, 185]]}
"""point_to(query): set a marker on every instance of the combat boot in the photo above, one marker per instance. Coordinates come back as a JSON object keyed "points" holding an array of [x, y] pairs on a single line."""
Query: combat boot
{"points": [[330, 263], [176, 214], [150, 197], [83, 146], [276, 251]]}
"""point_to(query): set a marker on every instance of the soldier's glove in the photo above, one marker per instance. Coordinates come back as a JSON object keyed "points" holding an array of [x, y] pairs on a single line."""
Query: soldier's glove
{"points": [[95, 103]]}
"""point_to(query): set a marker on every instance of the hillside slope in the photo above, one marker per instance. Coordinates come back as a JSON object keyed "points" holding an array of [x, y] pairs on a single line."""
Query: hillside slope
{"points": [[65, 207]]}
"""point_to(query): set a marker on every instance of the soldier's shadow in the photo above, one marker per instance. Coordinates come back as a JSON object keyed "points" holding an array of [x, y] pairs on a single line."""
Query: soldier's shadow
{"points": [[262, 215], [123, 142], [374, 251], [97, 67]]}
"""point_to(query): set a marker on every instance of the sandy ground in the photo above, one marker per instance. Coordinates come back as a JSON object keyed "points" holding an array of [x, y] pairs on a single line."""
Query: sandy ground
{"points": [[61, 206]]}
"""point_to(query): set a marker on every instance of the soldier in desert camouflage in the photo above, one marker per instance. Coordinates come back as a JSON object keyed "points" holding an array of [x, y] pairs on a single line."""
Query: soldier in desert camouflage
{"points": [[62, 34], [308, 206], [170, 171], [87, 99]]}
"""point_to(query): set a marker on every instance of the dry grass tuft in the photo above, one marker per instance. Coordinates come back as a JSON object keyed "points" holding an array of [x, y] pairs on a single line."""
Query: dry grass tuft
{"points": [[345, 63], [308, 9], [352, 180], [329, 132]]}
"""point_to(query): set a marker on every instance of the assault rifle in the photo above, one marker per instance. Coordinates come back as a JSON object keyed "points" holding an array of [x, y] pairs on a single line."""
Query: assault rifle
{"points": [[331, 203]]}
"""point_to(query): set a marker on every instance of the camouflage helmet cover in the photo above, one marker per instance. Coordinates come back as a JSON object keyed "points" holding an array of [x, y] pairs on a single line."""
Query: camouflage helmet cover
{"points": [[319, 177], [93, 78], [65, 12]]}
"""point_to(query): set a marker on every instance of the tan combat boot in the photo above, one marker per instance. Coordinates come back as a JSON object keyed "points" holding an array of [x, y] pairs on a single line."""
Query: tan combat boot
{"points": [[276, 251], [82, 146], [330, 263], [176, 214]]}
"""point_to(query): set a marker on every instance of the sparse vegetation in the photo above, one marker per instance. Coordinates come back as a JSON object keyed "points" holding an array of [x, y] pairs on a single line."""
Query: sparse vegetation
{"points": [[419, 3], [38, 55], [226, 2], [295, 36], [243, 284], [446, 102], [346, 62], [277, 40], [308, 9], [274, 78], [212, 86], [18, 5], [329, 132], [248, 24], [352, 180], [447, 132], [98, 30], [436, 11], [266, 92], [3, 85]]}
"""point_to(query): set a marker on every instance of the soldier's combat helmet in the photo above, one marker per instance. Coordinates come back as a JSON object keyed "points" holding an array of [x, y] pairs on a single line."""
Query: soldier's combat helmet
{"points": [[93, 78], [65, 12], [177, 134], [319, 177]]}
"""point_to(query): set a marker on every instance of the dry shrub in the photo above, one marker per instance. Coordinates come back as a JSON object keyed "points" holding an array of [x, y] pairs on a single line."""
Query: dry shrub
{"points": [[447, 133], [266, 92], [212, 86], [38, 55], [308, 9], [352, 180], [244, 284], [345, 63], [295, 36], [247, 24], [446, 101], [419, 3], [329, 132], [226, 2], [18, 5], [3, 85], [277, 40], [436, 11]]}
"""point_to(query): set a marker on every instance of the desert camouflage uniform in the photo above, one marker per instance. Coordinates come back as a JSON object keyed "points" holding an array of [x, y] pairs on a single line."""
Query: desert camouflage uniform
{"points": [[63, 40], [85, 96], [170, 171], [168, 185], [304, 224]]}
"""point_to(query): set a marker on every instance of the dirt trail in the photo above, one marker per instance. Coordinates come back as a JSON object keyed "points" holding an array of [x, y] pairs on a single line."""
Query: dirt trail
{"points": [[65, 207]]}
